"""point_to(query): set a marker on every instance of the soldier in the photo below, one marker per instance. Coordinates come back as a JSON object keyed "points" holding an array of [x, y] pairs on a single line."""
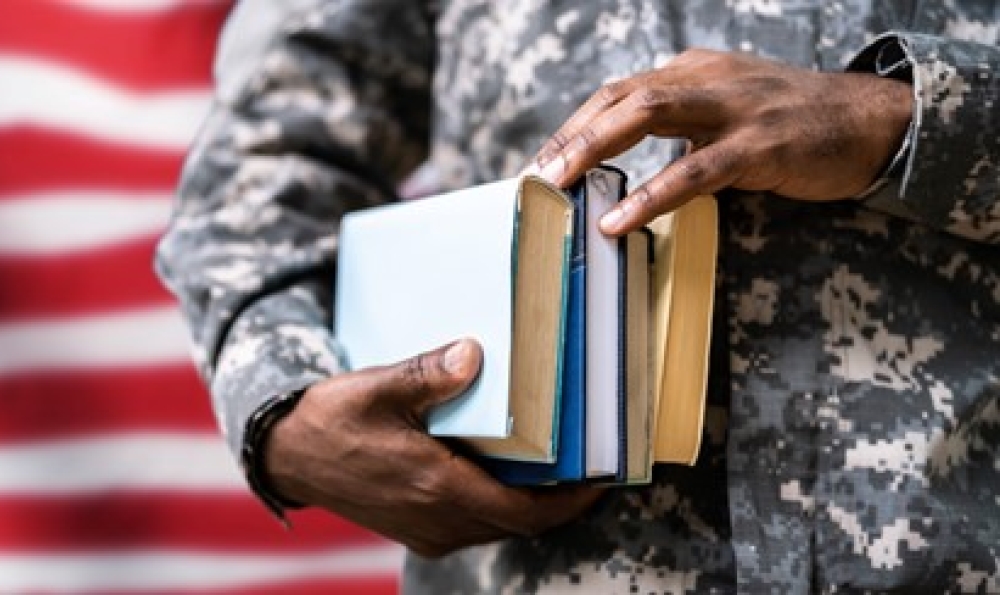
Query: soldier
{"points": [[853, 420]]}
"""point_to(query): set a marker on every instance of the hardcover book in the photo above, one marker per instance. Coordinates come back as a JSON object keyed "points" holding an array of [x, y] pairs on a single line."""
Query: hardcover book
{"points": [[489, 262], [685, 245]]}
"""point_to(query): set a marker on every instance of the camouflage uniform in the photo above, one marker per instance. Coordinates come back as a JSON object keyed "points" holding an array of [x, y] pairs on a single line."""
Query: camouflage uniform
{"points": [[854, 406]]}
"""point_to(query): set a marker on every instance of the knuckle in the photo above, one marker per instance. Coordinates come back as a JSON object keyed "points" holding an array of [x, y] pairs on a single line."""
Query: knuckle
{"points": [[652, 98], [588, 138], [644, 195], [707, 100], [557, 142], [726, 159], [772, 117], [693, 171], [776, 149], [552, 147], [430, 487], [710, 169], [611, 93], [653, 196], [415, 374]]}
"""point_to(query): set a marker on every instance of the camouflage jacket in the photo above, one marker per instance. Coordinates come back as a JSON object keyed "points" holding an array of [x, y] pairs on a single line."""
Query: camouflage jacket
{"points": [[852, 441]]}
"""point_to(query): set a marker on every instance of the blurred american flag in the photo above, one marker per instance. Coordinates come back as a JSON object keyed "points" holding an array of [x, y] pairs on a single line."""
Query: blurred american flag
{"points": [[112, 476]]}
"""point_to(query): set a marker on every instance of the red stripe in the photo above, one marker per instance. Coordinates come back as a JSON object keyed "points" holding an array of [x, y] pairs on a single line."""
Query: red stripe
{"points": [[226, 522], [83, 403], [100, 280], [342, 586], [142, 50], [36, 159]]}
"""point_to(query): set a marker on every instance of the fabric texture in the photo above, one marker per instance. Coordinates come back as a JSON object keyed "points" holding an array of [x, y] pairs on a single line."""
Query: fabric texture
{"points": [[853, 421]]}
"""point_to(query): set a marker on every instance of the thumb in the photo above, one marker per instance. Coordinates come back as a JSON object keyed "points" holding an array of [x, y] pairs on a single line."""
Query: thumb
{"points": [[423, 381]]}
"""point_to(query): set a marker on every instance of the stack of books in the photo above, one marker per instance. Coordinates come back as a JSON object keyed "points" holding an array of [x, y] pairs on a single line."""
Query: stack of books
{"points": [[595, 348]]}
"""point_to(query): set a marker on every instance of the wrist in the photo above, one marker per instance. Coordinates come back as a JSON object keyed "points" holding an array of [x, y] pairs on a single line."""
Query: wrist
{"points": [[259, 431], [890, 124], [888, 59]]}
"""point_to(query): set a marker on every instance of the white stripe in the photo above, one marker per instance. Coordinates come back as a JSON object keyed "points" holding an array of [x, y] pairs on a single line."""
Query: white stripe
{"points": [[53, 223], [122, 339], [168, 571], [49, 94], [130, 461], [136, 5]]}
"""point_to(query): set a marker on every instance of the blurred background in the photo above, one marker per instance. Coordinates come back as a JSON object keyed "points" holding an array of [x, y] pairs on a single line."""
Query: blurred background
{"points": [[112, 476]]}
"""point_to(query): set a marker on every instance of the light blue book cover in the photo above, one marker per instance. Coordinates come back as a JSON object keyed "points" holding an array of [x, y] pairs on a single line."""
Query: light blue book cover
{"points": [[414, 276]]}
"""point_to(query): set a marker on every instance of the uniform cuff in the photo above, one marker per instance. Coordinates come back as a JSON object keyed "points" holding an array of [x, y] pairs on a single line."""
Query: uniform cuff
{"points": [[886, 57], [278, 347]]}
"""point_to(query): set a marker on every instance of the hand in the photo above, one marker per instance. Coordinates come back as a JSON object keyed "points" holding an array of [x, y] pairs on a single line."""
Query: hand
{"points": [[753, 124], [355, 445]]}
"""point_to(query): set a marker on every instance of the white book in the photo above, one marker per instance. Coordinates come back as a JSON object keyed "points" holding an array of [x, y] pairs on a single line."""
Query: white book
{"points": [[604, 188]]}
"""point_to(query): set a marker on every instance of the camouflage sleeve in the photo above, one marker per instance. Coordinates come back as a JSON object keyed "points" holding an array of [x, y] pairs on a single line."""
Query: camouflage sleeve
{"points": [[327, 117], [949, 174]]}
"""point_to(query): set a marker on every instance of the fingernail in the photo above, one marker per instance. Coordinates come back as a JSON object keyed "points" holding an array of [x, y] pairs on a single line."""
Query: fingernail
{"points": [[611, 219], [531, 170], [457, 356], [553, 169]]}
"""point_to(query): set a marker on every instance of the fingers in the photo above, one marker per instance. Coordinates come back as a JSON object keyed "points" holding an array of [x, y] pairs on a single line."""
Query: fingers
{"points": [[459, 534], [688, 70], [604, 98], [556, 506], [703, 172], [649, 108], [603, 137], [428, 379], [528, 513], [518, 511]]}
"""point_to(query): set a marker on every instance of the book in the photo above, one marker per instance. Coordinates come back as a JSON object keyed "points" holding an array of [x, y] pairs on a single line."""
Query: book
{"points": [[605, 380], [638, 366], [683, 288], [602, 186], [490, 262]]}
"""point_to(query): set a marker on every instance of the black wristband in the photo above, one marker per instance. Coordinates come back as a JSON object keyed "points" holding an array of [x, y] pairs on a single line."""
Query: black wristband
{"points": [[252, 455]]}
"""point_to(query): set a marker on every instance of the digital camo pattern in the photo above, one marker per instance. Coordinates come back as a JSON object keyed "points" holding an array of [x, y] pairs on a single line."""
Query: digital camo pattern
{"points": [[305, 139], [853, 432]]}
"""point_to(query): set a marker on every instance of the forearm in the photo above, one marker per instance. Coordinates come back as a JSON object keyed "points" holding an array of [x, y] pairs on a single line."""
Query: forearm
{"points": [[326, 120]]}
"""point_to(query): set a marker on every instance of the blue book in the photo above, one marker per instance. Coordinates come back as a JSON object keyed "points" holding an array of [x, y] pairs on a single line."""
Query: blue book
{"points": [[488, 262]]}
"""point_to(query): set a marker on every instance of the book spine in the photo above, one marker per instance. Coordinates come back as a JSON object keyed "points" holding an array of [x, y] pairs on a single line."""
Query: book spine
{"points": [[579, 195], [623, 428], [622, 355], [561, 363]]}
